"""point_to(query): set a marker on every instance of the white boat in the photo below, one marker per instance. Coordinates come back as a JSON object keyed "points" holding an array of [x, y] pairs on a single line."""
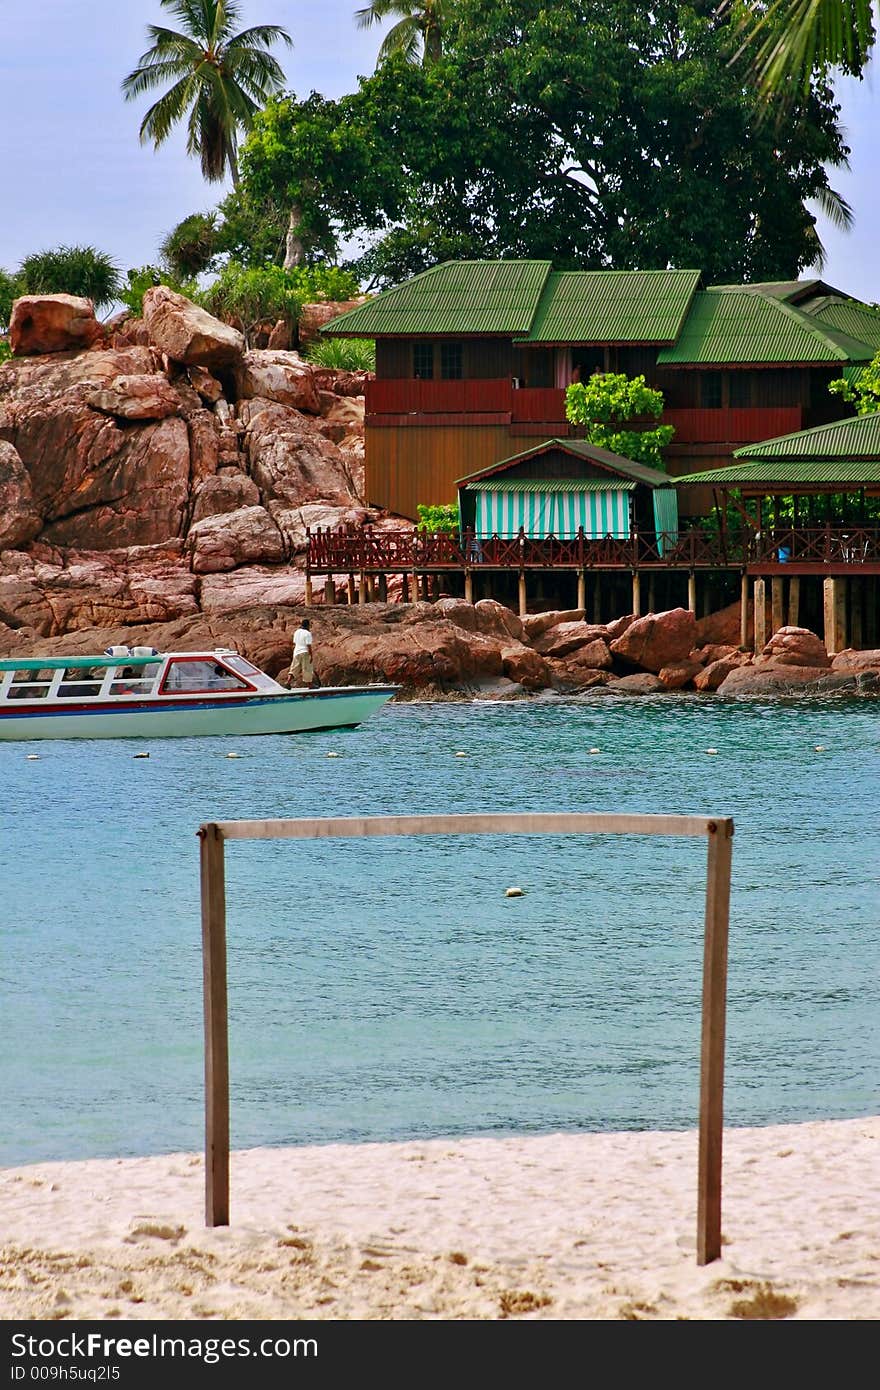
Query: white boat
{"points": [[141, 693]]}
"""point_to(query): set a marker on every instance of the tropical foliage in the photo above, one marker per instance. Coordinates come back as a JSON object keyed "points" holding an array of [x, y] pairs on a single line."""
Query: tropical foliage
{"points": [[606, 402], [437, 519], [82, 270], [418, 34], [344, 354], [863, 391], [218, 80], [255, 294], [143, 278], [786, 41], [10, 289], [191, 246]]}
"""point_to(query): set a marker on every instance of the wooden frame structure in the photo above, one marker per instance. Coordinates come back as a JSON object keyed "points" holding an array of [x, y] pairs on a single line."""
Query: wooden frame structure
{"points": [[719, 834]]}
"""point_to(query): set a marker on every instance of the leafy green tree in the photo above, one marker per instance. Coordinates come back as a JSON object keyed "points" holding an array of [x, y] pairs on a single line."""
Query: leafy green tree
{"points": [[606, 402], [191, 246], [437, 518], [142, 278], [10, 289], [417, 35], [219, 79], [255, 294], [79, 270], [864, 391], [786, 41]]}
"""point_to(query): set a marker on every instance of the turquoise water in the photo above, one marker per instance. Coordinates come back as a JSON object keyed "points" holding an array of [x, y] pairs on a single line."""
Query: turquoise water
{"points": [[387, 989]]}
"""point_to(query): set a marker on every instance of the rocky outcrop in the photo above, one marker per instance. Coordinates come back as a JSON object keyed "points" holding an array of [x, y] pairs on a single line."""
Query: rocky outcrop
{"points": [[245, 536], [150, 397], [770, 680], [19, 520], [714, 675], [278, 376], [52, 323], [289, 461], [642, 683], [656, 640], [850, 660], [186, 333], [680, 674], [794, 646], [313, 317]]}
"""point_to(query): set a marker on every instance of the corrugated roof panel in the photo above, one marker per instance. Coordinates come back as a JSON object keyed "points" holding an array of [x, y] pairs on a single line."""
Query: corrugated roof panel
{"points": [[847, 440], [613, 306], [552, 485], [725, 327], [582, 448], [789, 472], [456, 299], [848, 316]]}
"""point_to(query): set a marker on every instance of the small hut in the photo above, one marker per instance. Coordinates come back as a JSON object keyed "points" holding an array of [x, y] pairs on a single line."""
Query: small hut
{"points": [[564, 486]]}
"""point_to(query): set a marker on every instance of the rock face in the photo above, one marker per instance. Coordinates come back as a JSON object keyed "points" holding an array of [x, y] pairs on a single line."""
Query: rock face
{"points": [[850, 660], [245, 536], [770, 680], [52, 323], [794, 646], [186, 333], [657, 640], [677, 676], [313, 317], [278, 376], [288, 461], [19, 520]]}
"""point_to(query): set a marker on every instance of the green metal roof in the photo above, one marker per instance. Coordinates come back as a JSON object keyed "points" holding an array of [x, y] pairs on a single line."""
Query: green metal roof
{"points": [[781, 473], [62, 663], [856, 438], [725, 327], [458, 298], [581, 448], [552, 485], [794, 291], [848, 316], [613, 306]]}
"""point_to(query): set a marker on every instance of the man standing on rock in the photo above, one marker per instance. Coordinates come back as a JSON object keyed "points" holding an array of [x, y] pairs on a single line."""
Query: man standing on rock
{"points": [[302, 672]]}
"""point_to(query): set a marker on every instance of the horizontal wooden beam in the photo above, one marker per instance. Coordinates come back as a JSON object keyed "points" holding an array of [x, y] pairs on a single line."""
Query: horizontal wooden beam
{"points": [[501, 823]]}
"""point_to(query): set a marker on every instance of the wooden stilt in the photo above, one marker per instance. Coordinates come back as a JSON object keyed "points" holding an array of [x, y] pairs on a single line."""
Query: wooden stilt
{"points": [[308, 599], [329, 589], [351, 589], [468, 586], [216, 1027], [362, 588], [404, 588], [523, 599], [794, 601], [777, 616], [582, 590], [760, 607], [637, 593], [835, 616], [855, 584], [744, 610], [712, 1042], [692, 592], [383, 588]]}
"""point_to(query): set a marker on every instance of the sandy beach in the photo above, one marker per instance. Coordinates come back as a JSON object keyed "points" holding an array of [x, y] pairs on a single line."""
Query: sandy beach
{"points": [[563, 1226]]}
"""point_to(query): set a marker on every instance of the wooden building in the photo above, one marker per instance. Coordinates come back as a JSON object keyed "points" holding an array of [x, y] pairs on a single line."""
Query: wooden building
{"points": [[473, 358]]}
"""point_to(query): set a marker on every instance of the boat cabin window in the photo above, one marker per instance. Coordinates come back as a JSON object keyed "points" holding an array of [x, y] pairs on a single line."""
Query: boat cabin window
{"points": [[80, 682], [133, 680], [29, 685], [255, 676], [194, 677]]}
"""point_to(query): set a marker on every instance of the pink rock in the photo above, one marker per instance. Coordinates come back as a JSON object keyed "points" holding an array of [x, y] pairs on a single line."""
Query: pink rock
{"points": [[20, 522], [680, 674], [52, 323], [570, 677], [657, 640], [496, 620], [278, 376], [246, 536], [717, 651], [137, 398], [536, 624], [794, 646], [223, 493], [619, 626], [279, 338], [205, 383], [640, 684], [290, 462], [522, 664], [712, 676], [722, 627], [851, 660], [767, 680], [565, 638], [313, 317], [187, 333]]}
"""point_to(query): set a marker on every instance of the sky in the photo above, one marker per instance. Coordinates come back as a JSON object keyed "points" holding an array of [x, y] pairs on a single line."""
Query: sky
{"points": [[72, 170]]}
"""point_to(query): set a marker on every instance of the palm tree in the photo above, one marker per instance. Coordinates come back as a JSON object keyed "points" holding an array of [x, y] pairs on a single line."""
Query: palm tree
{"points": [[219, 79], [788, 40], [419, 31]]}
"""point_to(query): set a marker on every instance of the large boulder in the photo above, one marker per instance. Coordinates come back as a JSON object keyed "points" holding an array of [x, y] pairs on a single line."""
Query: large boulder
{"points": [[712, 676], [52, 323], [20, 522], [29, 378], [246, 536], [497, 621], [289, 462], [188, 334], [137, 398], [642, 683], [313, 317], [224, 492], [520, 663], [565, 638], [679, 674], [278, 376], [536, 624], [794, 646], [851, 660], [722, 626], [657, 640], [770, 680]]}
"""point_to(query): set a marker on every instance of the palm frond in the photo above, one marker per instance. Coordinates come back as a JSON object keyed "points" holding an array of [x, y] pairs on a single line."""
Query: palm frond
{"points": [[834, 206], [404, 39], [259, 36], [790, 39], [167, 111]]}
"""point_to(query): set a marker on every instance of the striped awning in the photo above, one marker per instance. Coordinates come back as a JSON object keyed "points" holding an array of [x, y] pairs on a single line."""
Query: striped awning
{"points": [[554, 511]]}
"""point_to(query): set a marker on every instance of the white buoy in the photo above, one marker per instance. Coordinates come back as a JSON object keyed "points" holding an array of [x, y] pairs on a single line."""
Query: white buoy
{"points": [[32, 757], [141, 755], [332, 755], [711, 750], [819, 748], [233, 755], [461, 755], [513, 893], [595, 750]]}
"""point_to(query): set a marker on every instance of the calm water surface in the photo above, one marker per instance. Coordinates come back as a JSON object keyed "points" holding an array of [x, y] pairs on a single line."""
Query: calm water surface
{"points": [[388, 989]]}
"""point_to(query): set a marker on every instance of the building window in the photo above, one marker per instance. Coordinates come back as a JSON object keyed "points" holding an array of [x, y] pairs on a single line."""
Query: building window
{"points": [[450, 361], [739, 385], [710, 390], [423, 361]]}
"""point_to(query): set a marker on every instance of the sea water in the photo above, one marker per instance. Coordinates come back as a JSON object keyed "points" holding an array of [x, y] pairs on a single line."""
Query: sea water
{"points": [[388, 988]]}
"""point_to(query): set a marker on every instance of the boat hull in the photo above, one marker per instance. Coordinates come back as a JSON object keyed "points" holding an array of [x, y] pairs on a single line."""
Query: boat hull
{"points": [[290, 712]]}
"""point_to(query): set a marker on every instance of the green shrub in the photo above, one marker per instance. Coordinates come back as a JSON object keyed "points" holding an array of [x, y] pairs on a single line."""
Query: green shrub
{"points": [[438, 518], [190, 247], [10, 289], [144, 278], [345, 354], [253, 295], [5, 350], [79, 270]]}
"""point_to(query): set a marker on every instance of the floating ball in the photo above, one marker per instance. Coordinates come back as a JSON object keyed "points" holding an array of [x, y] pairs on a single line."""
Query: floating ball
{"points": [[514, 893], [141, 755], [461, 755], [819, 748], [332, 755], [595, 750], [32, 757], [233, 755], [711, 750]]}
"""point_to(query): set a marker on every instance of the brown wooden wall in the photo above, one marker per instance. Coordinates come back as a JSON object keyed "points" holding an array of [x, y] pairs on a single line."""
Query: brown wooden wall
{"points": [[483, 359], [406, 466]]}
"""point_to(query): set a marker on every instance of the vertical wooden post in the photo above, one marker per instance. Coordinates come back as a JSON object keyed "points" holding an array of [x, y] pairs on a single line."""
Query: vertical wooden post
{"points": [[404, 588], [856, 627], [329, 589], [308, 591], [582, 590], [350, 589], [597, 599], [468, 586], [777, 617], [523, 598], [216, 1028], [637, 594], [870, 628], [383, 588], [652, 595], [744, 610], [692, 592], [720, 842], [835, 617], [760, 607], [794, 601], [362, 588]]}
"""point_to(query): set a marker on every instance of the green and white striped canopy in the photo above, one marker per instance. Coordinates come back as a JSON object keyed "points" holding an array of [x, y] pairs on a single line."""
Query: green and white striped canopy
{"points": [[550, 509]]}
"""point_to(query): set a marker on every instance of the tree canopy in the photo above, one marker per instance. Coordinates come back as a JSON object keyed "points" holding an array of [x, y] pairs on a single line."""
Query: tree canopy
{"points": [[606, 402]]}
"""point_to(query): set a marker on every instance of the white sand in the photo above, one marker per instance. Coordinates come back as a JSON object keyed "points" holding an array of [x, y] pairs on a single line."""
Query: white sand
{"points": [[567, 1226]]}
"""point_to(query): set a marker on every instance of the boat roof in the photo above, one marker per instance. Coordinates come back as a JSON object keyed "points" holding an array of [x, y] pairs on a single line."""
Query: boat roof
{"points": [[60, 663]]}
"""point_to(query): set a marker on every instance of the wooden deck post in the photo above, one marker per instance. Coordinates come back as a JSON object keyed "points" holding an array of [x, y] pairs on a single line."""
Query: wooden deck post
{"points": [[637, 594], [582, 590], [794, 601], [362, 588], [835, 616], [744, 610], [523, 598], [216, 1029], [468, 586], [712, 1042], [652, 594], [404, 588], [329, 589], [308, 599], [777, 614], [760, 606], [855, 585], [350, 589], [692, 592], [383, 588]]}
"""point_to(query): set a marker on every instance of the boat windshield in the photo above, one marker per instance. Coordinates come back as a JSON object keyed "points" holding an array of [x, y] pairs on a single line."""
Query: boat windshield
{"points": [[253, 673], [187, 676]]}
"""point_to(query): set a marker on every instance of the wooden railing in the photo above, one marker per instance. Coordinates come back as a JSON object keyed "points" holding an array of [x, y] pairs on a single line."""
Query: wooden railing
{"points": [[734, 426], [353, 549]]}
